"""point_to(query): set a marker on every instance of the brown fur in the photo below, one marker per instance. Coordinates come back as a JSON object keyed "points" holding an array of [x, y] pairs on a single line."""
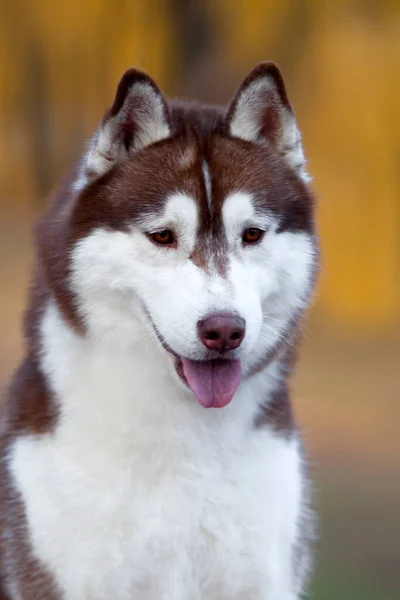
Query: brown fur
{"points": [[31, 410], [134, 187]]}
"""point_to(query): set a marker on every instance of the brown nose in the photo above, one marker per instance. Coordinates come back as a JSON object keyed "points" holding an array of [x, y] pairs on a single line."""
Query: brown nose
{"points": [[221, 332]]}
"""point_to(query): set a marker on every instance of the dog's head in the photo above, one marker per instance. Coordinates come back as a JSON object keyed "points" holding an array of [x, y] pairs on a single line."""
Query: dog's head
{"points": [[197, 224]]}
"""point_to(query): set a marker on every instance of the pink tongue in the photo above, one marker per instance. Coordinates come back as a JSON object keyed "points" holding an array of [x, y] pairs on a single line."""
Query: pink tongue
{"points": [[213, 382]]}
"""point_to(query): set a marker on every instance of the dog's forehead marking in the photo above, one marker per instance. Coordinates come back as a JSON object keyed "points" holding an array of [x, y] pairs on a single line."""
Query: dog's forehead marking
{"points": [[207, 184], [180, 212], [181, 207], [240, 210]]}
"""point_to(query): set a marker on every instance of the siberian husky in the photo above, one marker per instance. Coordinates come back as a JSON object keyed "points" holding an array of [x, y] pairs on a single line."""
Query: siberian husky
{"points": [[149, 450]]}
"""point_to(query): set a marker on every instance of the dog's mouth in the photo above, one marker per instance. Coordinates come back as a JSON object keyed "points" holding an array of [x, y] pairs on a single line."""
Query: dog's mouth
{"points": [[213, 382]]}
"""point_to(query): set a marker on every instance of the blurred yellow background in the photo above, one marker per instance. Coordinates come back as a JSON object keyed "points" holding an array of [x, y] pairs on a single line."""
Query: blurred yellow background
{"points": [[60, 64]]}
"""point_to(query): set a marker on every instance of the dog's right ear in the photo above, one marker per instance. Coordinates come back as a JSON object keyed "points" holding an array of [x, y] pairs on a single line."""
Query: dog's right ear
{"points": [[138, 117]]}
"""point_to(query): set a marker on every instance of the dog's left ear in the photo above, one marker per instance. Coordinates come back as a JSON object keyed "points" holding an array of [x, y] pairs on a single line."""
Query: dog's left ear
{"points": [[260, 112], [137, 118]]}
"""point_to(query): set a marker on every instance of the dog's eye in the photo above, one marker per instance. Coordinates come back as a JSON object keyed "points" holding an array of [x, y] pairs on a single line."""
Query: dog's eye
{"points": [[252, 235], [166, 237]]}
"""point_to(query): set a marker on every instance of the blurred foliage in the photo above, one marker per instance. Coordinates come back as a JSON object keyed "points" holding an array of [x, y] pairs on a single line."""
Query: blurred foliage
{"points": [[61, 62]]}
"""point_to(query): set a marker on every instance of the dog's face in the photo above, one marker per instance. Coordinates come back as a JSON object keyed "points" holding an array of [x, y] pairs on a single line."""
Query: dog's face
{"points": [[196, 229]]}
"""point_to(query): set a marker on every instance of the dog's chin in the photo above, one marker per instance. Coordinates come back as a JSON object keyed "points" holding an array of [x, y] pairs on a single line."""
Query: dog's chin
{"points": [[212, 379]]}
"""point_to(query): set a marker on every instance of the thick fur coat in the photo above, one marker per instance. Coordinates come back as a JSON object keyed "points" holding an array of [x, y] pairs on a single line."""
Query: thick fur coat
{"points": [[148, 446]]}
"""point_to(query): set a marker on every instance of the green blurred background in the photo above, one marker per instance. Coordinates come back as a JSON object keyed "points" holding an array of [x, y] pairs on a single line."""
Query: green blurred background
{"points": [[60, 63]]}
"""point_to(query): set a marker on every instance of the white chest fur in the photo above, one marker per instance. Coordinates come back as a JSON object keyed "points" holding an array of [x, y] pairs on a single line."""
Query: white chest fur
{"points": [[141, 493]]}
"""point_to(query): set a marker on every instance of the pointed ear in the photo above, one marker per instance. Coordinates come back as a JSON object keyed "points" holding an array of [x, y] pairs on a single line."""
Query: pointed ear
{"points": [[138, 117], [260, 112]]}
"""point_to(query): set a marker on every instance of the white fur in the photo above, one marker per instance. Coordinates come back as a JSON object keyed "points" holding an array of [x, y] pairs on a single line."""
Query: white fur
{"points": [[272, 280], [119, 275], [207, 183], [140, 492], [247, 121]]}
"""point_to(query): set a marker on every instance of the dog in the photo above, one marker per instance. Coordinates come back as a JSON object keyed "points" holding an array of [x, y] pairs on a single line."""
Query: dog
{"points": [[149, 449]]}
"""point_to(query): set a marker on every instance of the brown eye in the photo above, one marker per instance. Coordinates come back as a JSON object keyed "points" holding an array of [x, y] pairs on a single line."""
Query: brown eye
{"points": [[252, 235], [166, 237]]}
